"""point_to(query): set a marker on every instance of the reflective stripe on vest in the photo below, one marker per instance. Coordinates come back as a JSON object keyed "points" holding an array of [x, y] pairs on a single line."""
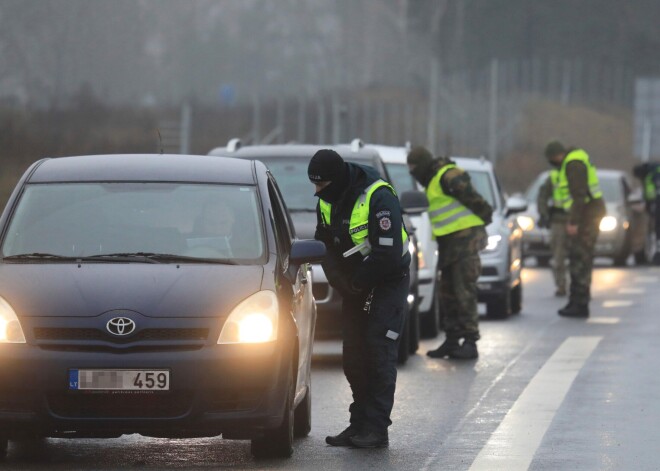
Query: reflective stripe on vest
{"points": [[446, 213], [565, 199], [358, 227]]}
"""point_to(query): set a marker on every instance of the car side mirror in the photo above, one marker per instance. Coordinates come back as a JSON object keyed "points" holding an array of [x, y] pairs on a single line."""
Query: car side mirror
{"points": [[414, 202], [306, 251], [515, 204]]}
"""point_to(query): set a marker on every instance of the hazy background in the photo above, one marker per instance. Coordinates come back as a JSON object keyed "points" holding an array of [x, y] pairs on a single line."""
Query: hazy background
{"points": [[467, 77]]}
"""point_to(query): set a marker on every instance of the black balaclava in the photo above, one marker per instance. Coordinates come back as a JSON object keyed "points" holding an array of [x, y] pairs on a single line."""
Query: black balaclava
{"points": [[552, 149], [328, 166], [425, 165]]}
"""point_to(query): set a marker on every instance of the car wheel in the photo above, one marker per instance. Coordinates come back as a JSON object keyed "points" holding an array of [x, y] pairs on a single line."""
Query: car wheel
{"points": [[516, 299], [500, 306], [278, 443], [413, 337], [640, 257], [543, 260], [302, 424], [429, 323], [404, 344]]}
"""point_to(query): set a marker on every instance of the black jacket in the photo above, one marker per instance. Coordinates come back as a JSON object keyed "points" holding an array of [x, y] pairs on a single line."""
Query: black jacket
{"points": [[385, 262]]}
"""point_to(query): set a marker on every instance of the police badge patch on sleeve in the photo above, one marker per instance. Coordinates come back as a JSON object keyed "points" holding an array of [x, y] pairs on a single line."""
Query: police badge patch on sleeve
{"points": [[385, 223]]}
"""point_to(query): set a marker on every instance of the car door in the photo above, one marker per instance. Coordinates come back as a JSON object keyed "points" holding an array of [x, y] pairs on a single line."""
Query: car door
{"points": [[302, 307]]}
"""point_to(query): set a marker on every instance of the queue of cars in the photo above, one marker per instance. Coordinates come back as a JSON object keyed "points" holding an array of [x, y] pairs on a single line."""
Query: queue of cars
{"points": [[623, 231], [173, 296]]}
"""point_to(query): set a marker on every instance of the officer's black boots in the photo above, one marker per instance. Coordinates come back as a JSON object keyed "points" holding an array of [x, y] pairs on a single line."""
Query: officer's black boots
{"points": [[443, 350], [369, 439], [467, 351], [574, 310], [343, 439]]}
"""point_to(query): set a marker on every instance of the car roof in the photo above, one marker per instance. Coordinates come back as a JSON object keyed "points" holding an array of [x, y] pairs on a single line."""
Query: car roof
{"points": [[390, 154], [257, 152], [473, 163], [144, 167], [601, 172]]}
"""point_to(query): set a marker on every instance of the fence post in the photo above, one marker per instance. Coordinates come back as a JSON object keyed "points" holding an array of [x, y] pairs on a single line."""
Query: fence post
{"points": [[492, 119], [186, 122], [256, 119], [301, 119], [432, 124], [321, 122]]}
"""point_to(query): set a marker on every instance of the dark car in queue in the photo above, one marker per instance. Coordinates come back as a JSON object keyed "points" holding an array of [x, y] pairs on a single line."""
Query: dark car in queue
{"points": [[128, 303], [288, 163]]}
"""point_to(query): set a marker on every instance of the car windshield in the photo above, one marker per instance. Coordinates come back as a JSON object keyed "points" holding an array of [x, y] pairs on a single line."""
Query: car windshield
{"points": [[482, 183], [291, 176], [612, 189], [532, 192], [191, 221], [401, 178]]}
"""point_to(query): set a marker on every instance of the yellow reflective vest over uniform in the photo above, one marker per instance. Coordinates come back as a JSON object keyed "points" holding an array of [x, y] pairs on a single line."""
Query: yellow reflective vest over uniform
{"points": [[447, 214], [563, 195]]}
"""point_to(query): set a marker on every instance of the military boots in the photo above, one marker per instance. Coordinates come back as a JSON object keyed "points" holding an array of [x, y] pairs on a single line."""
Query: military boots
{"points": [[451, 343], [467, 351], [574, 310]]}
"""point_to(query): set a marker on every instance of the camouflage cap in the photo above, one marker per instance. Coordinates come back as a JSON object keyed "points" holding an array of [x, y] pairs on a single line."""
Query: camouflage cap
{"points": [[554, 148]]}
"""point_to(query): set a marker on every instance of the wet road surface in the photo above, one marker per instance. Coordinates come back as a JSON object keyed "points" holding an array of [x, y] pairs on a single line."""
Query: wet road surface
{"points": [[547, 393]]}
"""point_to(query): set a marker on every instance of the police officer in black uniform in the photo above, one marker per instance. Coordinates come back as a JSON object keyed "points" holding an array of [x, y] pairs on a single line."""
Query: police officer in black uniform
{"points": [[359, 219]]}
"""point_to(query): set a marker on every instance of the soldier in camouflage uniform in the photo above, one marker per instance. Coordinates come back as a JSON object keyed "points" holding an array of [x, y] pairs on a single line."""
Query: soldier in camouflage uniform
{"points": [[555, 218], [580, 195], [458, 216]]}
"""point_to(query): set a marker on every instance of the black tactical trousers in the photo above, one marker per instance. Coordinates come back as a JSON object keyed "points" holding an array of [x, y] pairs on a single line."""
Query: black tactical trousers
{"points": [[370, 351]]}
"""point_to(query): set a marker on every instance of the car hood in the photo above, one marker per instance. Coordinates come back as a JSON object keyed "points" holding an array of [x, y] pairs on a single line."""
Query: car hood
{"points": [[499, 226], [153, 290]]}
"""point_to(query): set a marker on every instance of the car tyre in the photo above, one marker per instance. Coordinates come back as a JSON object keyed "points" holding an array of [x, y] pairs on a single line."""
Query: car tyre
{"points": [[278, 443], [302, 424], [4, 444], [404, 343], [429, 324], [516, 299], [413, 338], [500, 306], [543, 260]]}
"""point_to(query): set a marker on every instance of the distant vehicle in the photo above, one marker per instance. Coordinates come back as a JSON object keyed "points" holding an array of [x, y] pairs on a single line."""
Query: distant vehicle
{"points": [[288, 163], [622, 230], [500, 283], [128, 306], [428, 305]]}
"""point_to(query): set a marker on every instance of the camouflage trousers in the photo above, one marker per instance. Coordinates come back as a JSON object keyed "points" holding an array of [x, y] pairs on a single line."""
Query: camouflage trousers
{"points": [[458, 298], [581, 259], [558, 246]]}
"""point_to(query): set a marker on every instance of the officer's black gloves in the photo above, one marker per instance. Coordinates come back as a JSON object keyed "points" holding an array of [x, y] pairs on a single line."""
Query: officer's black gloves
{"points": [[324, 235], [543, 222]]}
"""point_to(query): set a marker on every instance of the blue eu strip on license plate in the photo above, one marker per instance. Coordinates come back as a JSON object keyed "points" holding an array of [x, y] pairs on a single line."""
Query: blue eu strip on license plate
{"points": [[73, 379]]}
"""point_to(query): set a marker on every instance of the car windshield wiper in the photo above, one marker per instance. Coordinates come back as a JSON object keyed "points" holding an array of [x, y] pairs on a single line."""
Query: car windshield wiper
{"points": [[154, 257], [41, 256]]}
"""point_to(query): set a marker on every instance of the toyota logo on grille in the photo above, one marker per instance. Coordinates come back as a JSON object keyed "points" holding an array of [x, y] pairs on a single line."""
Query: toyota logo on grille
{"points": [[120, 326]]}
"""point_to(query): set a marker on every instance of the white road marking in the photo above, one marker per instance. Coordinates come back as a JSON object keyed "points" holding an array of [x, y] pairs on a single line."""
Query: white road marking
{"points": [[646, 279], [513, 445], [632, 290], [603, 320], [617, 303]]}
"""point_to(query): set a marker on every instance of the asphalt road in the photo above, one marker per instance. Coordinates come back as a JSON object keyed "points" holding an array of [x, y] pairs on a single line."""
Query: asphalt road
{"points": [[547, 393]]}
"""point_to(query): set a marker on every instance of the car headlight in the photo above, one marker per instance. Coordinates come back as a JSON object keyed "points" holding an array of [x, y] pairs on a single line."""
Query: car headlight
{"points": [[10, 328], [411, 247], [608, 223], [493, 243], [526, 223], [421, 263], [254, 320]]}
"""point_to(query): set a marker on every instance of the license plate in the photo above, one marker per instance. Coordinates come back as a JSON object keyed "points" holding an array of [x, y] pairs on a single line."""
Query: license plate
{"points": [[119, 380]]}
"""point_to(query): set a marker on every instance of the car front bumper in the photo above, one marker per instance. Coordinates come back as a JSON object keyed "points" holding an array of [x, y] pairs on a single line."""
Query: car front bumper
{"points": [[236, 390]]}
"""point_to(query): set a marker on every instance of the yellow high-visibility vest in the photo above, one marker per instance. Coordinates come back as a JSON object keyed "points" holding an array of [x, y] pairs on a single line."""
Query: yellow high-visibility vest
{"points": [[447, 214], [564, 195], [358, 227]]}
